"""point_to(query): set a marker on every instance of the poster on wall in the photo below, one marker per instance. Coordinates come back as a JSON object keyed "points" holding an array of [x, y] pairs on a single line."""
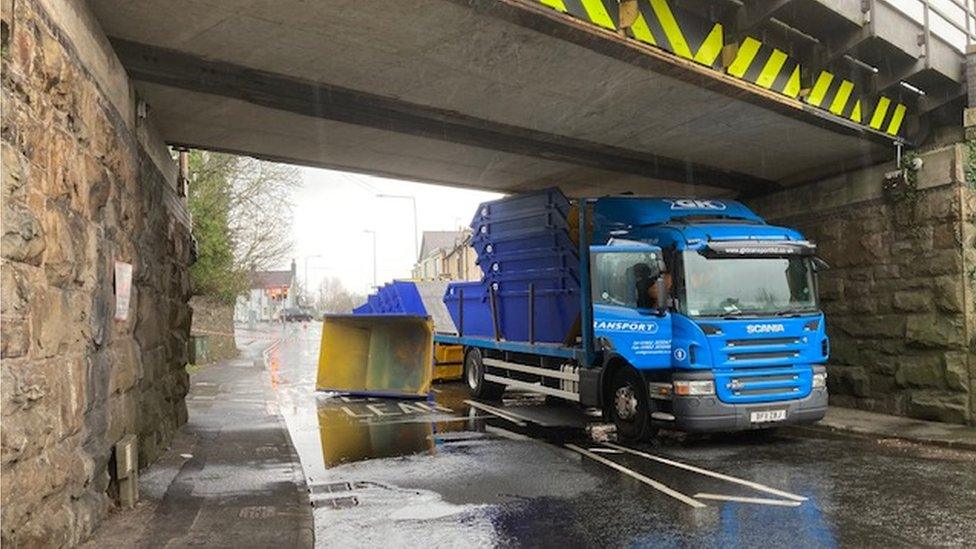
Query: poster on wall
{"points": [[123, 289]]}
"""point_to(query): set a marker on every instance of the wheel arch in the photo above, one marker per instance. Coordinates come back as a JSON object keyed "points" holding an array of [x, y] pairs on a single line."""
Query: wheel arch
{"points": [[613, 363]]}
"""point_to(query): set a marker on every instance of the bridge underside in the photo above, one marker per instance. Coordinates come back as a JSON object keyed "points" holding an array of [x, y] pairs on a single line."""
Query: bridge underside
{"points": [[493, 94]]}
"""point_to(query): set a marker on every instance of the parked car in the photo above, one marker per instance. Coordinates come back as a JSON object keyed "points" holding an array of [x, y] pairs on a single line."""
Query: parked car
{"points": [[296, 314]]}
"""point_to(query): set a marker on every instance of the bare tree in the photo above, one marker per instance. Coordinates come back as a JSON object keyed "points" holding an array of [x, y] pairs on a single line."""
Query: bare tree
{"points": [[261, 211], [333, 297]]}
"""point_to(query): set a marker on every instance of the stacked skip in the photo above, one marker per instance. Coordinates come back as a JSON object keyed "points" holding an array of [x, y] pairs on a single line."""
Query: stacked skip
{"points": [[397, 297], [530, 289]]}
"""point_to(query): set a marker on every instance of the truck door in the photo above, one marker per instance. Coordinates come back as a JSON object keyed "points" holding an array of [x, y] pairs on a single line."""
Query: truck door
{"points": [[630, 316]]}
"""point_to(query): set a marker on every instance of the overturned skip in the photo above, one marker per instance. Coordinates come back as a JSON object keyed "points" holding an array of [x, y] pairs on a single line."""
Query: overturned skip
{"points": [[707, 473], [646, 480], [740, 499]]}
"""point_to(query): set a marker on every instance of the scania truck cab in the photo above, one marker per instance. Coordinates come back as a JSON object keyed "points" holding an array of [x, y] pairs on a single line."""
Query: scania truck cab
{"points": [[696, 315], [733, 337]]}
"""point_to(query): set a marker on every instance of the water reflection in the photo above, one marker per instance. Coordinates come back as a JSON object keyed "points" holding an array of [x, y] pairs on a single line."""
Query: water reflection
{"points": [[357, 429]]}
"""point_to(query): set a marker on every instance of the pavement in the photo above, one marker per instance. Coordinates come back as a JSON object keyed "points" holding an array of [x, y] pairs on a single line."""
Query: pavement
{"points": [[231, 477], [846, 420], [364, 472]]}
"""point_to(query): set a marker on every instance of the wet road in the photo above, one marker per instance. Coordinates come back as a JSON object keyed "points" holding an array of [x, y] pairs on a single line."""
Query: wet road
{"points": [[442, 473]]}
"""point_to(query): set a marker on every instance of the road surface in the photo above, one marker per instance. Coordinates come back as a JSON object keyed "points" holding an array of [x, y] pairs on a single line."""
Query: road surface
{"points": [[444, 473]]}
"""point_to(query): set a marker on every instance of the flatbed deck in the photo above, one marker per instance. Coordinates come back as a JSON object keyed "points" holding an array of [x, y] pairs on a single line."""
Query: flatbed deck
{"points": [[544, 349]]}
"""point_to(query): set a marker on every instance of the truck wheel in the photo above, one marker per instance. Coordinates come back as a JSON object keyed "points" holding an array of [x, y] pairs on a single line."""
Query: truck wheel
{"points": [[629, 406], [474, 376]]}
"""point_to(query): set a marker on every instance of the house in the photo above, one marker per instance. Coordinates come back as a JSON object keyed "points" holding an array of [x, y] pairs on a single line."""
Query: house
{"points": [[447, 255], [269, 293]]}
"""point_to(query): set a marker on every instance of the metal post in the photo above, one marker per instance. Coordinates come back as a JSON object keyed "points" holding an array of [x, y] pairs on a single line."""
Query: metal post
{"points": [[494, 312], [532, 313], [305, 278], [460, 327], [374, 254], [586, 304]]}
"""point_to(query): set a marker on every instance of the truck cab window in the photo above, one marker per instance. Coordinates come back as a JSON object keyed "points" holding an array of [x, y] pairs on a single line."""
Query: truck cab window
{"points": [[625, 279]]}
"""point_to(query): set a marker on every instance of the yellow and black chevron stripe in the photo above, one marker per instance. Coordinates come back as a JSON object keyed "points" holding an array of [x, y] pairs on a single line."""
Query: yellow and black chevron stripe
{"points": [[767, 67], [604, 13], [887, 116], [835, 95], [657, 23], [677, 31], [692, 37]]}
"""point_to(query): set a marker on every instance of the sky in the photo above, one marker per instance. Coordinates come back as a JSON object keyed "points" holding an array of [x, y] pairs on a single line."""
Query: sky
{"points": [[334, 209]]}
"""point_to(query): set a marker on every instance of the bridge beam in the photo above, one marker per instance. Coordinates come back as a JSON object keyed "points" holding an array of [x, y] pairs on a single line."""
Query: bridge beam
{"points": [[183, 71]]}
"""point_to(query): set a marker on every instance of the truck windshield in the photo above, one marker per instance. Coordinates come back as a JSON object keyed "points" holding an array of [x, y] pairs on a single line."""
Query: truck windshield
{"points": [[625, 278], [747, 286]]}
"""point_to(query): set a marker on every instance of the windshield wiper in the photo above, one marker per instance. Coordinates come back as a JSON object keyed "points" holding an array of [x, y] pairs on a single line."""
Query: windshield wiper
{"points": [[796, 311]]}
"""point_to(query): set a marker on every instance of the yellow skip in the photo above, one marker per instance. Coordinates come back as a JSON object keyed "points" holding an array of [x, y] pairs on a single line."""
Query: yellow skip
{"points": [[376, 354]]}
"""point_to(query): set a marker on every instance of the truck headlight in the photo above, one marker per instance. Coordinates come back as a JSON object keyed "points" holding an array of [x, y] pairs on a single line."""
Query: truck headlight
{"points": [[819, 380], [694, 388]]}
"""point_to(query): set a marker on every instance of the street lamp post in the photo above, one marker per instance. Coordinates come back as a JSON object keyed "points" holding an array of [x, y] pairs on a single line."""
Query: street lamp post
{"points": [[307, 257], [372, 232], [412, 199]]}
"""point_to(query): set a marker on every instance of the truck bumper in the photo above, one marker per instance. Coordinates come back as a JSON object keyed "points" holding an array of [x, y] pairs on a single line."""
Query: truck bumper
{"points": [[707, 413]]}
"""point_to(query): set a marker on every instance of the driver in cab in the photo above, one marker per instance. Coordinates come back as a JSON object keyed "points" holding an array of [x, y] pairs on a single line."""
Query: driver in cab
{"points": [[648, 288]]}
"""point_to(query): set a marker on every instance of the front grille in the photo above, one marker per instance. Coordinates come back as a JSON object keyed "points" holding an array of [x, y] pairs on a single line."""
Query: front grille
{"points": [[738, 357], [763, 384], [766, 391], [762, 342]]}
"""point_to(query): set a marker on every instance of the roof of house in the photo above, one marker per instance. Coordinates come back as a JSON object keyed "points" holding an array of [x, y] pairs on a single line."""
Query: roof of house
{"points": [[437, 240], [271, 279]]}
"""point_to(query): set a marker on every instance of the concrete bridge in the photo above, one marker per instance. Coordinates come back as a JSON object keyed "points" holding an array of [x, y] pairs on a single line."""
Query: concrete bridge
{"points": [[799, 106], [523, 94]]}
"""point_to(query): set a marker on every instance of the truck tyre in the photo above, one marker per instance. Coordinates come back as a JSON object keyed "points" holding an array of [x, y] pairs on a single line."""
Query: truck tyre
{"points": [[628, 406], [474, 376]]}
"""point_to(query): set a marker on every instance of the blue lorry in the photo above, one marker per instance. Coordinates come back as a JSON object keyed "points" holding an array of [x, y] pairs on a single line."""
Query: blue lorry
{"points": [[677, 313]]}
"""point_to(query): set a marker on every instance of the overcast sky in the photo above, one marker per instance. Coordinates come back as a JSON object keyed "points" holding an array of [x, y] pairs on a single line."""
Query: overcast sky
{"points": [[333, 209]]}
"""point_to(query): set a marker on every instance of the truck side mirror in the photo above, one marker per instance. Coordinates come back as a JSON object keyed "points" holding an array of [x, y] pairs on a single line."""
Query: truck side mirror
{"points": [[819, 265]]}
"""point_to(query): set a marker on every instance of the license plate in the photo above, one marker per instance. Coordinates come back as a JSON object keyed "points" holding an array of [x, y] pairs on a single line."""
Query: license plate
{"points": [[765, 416]]}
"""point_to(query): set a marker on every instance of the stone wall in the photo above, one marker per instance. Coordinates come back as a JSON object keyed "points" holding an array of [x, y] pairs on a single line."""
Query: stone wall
{"points": [[215, 322], [899, 294], [84, 185]]}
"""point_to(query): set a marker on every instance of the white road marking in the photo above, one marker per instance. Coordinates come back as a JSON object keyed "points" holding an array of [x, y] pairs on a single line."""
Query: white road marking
{"points": [[605, 451], [646, 480], [760, 501], [376, 410], [707, 473], [496, 411]]}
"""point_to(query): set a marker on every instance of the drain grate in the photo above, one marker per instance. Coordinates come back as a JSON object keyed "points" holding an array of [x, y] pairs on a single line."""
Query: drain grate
{"points": [[257, 512], [342, 502], [330, 488]]}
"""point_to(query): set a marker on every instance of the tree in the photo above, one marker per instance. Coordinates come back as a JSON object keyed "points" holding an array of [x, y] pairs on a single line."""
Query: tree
{"points": [[242, 211], [333, 297], [260, 212]]}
